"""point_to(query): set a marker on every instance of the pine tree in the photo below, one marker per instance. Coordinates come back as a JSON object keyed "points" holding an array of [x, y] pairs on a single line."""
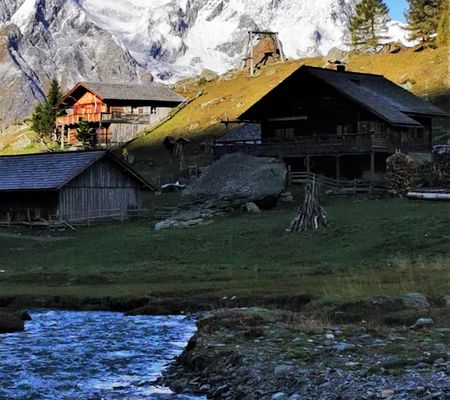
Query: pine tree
{"points": [[86, 135], [368, 27], [443, 30], [43, 119], [423, 19]]}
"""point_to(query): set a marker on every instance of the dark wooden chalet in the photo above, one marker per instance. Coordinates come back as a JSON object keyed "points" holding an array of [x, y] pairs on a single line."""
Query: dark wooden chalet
{"points": [[116, 111], [337, 123], [67, 186]]}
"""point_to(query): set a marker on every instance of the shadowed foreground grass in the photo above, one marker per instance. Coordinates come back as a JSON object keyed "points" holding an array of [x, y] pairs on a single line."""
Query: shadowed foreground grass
{"points": [[372, 247]]}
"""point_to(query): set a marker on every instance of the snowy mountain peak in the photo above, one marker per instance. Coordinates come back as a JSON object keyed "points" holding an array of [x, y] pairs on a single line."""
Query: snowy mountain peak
{"points": [[131, 40]]}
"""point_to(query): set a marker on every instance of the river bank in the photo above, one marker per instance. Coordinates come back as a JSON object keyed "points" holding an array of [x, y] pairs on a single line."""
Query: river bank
{"points": [[391, 348], [257, 354]]}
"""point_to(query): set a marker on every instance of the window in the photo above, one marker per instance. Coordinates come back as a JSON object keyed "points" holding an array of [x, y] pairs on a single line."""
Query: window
{"points": [[285, 132]]}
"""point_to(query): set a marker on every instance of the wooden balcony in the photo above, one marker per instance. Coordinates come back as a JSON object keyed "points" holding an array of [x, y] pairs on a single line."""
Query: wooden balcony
{"points": [[105, 118], [74, 119], [322, 145]]}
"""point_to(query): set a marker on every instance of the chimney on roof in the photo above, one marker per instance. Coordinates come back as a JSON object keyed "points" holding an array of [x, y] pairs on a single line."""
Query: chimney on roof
{"points": [[341, 67]]}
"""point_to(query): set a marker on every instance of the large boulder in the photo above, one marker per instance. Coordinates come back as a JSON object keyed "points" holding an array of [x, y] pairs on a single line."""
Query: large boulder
{"points": [[337, 56], [10, 322], [238, 179]]}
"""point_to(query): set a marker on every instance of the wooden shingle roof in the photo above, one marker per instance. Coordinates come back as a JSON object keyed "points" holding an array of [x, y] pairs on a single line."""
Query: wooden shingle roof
{"points": [[52, 171], [126, 92], [380, 95], [250, 132]]}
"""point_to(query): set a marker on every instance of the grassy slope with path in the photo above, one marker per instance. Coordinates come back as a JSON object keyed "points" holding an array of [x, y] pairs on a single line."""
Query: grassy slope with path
{"points": [[371, 247]]}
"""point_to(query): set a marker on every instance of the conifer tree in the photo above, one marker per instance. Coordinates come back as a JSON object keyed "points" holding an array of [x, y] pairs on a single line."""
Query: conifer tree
{"points": [[368, 27], [86, 135], [43, 119], [423, 19]]}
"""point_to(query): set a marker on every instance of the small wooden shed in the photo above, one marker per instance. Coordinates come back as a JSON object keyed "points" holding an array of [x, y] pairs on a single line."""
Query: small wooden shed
{"points": [[68, 186]]}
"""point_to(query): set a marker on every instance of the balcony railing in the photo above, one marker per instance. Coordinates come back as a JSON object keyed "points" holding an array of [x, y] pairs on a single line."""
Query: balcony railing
{"points": [[117, 117], [307, 145], [321, 145]]}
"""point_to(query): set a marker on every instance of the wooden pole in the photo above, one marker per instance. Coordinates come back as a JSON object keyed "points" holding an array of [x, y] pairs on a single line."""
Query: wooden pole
{"points": [[62, 138], [308, 165], [252, 61], [338, 170], [372, 171]]}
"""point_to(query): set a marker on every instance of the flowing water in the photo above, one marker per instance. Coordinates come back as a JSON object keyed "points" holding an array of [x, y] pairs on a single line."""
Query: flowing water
{"points": [[66, 355]]}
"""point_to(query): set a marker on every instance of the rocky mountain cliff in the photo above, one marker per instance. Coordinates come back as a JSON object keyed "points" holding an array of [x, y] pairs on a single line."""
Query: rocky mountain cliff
{"points": [[132, 40]]}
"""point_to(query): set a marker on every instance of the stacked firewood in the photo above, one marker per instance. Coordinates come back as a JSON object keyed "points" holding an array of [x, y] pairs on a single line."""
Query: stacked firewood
{"points": [[399, 174], [311, 215], [441, 166]]}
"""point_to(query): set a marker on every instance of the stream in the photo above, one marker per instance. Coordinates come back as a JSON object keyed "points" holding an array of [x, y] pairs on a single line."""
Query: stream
{"points": [[65, 355]]}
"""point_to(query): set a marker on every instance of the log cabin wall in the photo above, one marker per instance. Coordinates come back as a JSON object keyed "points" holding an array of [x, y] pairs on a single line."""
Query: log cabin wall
{"points": [[27, 205], [101, 188], [89, 103], [313, 108]]}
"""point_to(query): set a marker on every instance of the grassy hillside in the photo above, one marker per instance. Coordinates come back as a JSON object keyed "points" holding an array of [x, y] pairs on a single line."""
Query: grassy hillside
{"points": [[372, 247], [18, 139], [425, 73], [227, 97]]}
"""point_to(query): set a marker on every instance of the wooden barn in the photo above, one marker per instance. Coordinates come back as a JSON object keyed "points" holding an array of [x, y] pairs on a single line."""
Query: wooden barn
{"points": [[117, 112], [337, 123], [71, 186]]}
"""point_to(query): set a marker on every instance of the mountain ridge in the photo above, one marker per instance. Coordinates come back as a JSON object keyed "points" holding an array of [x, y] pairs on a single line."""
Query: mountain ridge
{"points": [[127, 41]]}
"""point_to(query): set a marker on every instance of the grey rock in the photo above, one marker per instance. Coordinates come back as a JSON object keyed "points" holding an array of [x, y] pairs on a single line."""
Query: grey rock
{"points": [[440, 348], [279, 396], [186, 219], [336, 55], [283, 370], [415, 300], [344, 346], [10, 322], [239, 178], [208, 75], [423, 323], [438, 362], [252, 208], [446, 301]]}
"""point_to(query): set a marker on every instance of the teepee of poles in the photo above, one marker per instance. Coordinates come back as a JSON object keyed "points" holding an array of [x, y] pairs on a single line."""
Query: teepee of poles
{"points": [[311, 215]]}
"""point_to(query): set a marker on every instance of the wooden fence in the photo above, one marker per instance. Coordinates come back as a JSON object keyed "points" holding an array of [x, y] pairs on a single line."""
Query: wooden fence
{"points": [[341, 185]]}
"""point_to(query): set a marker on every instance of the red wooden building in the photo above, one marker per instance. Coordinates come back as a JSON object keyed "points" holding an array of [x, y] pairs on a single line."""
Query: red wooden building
{"points": [[117, 112]]}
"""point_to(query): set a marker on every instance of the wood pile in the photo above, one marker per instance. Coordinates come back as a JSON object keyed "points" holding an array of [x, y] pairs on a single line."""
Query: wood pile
{"points": [[441, 166], [399, 174], [311, 215]]}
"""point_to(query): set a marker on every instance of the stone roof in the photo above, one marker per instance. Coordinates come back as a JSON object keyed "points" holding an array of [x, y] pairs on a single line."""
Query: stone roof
{"points": [[52, 171]]}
